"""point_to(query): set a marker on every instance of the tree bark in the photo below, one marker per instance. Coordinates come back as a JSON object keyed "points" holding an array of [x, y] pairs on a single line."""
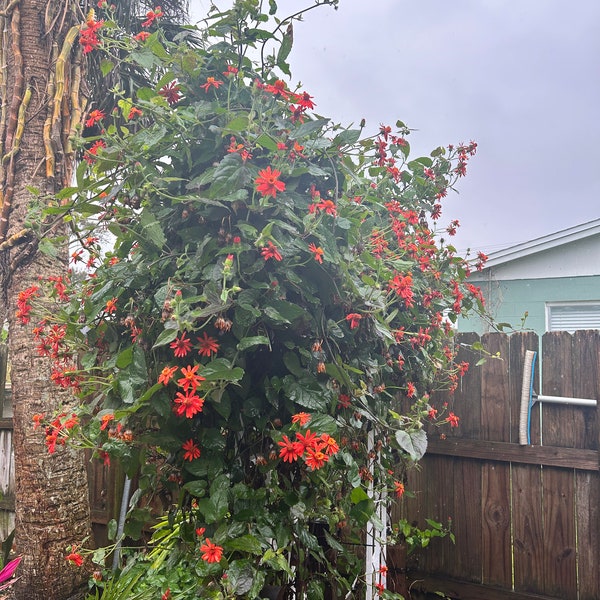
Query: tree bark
{"points": [[52, 507]]}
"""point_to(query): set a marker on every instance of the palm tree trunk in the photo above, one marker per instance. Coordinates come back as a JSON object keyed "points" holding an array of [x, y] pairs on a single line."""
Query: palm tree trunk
{"points": [[38, 86]]}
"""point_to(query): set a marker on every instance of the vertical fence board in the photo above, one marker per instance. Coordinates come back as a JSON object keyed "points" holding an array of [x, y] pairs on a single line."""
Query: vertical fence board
{"points": [[438, 556], [467, 398], [495, 410], [587, 506], [466, 515], [586, 384], [414, 507], [467, 525], [561, 427], [560, 574], [527, 528], [557, 380], [496, 525], [495, 425]]}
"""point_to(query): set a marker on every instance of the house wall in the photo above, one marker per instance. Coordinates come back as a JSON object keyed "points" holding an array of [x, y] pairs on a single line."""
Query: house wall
{"points": [[508, 300], [577, 258]]}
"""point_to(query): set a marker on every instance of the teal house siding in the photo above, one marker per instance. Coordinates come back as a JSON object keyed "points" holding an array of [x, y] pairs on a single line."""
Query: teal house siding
{"points": [[560, 270], [508, 300]]}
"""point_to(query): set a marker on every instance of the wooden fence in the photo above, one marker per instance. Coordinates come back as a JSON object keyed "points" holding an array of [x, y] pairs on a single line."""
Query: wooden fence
{"points": [[526, 518]]}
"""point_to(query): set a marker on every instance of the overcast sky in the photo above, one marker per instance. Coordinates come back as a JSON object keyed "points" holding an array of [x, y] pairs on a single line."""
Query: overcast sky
{"points": [[522, 79]]}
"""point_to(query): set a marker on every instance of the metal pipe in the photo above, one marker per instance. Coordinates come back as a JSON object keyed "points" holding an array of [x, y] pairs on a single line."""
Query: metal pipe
{"points": [[563, 400], [121, 523]]}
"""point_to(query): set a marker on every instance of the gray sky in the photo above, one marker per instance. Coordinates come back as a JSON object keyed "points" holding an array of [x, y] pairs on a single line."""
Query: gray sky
{"points": [[522, 79]]}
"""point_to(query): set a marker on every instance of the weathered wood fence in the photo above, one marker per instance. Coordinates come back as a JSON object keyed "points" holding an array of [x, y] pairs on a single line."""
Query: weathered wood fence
{"points": [[526, 518]]}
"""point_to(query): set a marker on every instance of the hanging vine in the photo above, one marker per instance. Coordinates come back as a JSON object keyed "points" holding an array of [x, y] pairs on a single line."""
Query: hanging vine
{"points": [[23, 99]]}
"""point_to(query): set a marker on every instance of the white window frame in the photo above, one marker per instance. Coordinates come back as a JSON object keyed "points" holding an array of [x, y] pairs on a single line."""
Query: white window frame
{"points": [[572, 304]]}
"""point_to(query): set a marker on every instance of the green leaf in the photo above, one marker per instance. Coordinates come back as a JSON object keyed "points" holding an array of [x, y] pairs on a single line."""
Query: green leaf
{"points": [[238, 124], [309, 127], [255, 340], [196, 488], [292, 362], [313, 399], [166, 337], [240, 576], [106, 66], [125, 357], [414, 443], [285, 48], [346, 137], [46, 247], [220, 369], [246, 543], [267, 142], [274, 315], [358, 494]]}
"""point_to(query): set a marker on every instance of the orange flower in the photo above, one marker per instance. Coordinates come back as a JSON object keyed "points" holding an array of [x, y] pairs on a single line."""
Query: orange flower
{"points": [[75, 558], [398, 488], [188, 403], [317, 252], [453, 420], [211, 82], [190, 379], [328, 207], [270, 251], [38, 420], [142, 36], [211, 552], [94, 117], [111, 306], [105, 420], [134, 112], [330, 446], [308, 440], [166, 375], [267, 182], [152, 15], [353, 319], [191, 450], [301, 418], [315, 459], [290, 451]]}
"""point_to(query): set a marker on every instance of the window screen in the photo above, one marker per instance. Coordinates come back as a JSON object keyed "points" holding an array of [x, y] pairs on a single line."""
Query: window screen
{"points": [[571, 317]]}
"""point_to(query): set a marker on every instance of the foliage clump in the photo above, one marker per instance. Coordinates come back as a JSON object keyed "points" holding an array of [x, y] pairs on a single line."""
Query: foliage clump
{"points": [[261, 343]]}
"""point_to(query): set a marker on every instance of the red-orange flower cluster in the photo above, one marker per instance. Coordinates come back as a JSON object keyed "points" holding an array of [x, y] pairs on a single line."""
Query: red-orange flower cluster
{"points": [[24, 303], [88, 35], [152, 15], [315, 450]]}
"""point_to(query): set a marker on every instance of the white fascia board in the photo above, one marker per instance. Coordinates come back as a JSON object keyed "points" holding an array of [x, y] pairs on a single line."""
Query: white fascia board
{"points": [[547, 242]]}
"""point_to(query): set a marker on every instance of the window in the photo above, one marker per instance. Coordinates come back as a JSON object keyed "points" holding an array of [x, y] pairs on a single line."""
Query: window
{"points": [[570, 316]]}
